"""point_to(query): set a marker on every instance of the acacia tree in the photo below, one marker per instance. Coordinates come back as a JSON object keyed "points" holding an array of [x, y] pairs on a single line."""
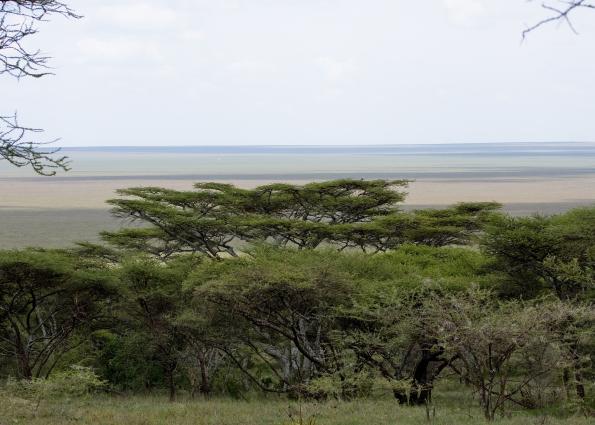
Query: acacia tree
{"points": [[390, 330], [200, 221], [347, 213], [392, 336], [278, 306], [507, 350], [554, 255], [19, 21], [44, 298], [536, 254], [456, 225], [306, 317], [150, 298]]}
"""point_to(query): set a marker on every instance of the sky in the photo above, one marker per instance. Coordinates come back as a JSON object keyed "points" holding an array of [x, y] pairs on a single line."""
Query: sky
{"points": [[309, 72]]}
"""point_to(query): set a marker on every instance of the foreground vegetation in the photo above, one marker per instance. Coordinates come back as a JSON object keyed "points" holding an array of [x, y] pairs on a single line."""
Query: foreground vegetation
{"points": [[323, 295], [158, 411]]}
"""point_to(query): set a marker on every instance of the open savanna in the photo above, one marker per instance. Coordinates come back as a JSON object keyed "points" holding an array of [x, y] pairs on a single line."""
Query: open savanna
{"points": [[57, 213]]}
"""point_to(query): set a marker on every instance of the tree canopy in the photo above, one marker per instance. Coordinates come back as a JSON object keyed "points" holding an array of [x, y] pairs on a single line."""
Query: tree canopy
{"points": [[504, 304], [44, 298], [538, 253], [216, 219]]}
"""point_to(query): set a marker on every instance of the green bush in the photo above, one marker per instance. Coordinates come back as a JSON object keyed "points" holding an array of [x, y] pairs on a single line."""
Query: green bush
{"points": [[77, 381]]}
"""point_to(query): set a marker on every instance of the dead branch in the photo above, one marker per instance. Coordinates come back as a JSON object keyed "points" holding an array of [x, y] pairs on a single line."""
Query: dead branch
{"points": [[560, 13]]}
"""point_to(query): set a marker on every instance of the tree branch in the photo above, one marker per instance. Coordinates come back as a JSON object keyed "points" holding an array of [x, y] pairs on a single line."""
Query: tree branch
{"points": [[560, 14], [20, 151]]}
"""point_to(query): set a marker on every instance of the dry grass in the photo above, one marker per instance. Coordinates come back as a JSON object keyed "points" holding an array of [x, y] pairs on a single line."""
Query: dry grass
{"points": [[158, 411]]}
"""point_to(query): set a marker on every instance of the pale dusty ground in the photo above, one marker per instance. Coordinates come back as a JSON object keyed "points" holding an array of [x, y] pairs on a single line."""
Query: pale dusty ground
{"points": [[57, 213], [91, 194]]}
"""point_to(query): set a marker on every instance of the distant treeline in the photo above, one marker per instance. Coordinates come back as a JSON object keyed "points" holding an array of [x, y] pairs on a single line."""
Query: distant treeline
{"points": [[326, 290]]}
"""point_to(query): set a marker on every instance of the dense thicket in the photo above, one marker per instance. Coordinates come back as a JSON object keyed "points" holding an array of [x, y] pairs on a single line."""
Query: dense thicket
{"points": [[327, 290]]}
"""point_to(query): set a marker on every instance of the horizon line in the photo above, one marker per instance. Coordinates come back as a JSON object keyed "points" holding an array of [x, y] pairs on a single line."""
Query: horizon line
{"points": [[380, 145]]}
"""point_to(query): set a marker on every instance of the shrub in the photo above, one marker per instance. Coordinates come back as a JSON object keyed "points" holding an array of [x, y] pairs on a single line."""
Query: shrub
{"points": [[77, 381]]}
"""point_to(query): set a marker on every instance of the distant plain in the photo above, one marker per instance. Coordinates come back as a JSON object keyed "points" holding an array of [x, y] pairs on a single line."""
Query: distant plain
{"points": [[544, 178]]}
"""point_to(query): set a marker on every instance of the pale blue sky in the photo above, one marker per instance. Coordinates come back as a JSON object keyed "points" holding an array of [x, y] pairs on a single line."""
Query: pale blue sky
{"points": [[241, 72]]}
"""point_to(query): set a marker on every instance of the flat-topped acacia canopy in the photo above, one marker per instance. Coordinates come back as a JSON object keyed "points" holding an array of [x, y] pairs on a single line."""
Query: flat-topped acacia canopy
{"points": [[346, 213]]}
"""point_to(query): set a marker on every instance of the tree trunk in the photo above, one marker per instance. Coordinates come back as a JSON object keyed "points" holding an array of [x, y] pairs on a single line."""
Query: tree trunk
{"points": [[171, 383], [420, 392], [580, 387], [205, 384], [566, 380], [578, 379], [24, 367], [400, 396]]}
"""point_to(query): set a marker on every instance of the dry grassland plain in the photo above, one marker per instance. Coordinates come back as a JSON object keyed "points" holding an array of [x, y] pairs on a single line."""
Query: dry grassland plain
{"points": [[57, 211]]}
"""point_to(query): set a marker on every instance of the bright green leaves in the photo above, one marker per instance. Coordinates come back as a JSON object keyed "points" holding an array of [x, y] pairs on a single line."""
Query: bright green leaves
{"points": [[215, 219]]}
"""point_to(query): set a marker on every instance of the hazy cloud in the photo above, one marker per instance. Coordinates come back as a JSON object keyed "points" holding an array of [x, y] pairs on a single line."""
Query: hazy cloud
{"points": [[147, 72], [135, 16], [119, 49], [337, 70], [465, 11]]}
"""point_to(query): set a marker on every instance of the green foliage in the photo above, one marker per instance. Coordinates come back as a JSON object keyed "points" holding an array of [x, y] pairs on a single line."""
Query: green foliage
{"points": [[456, 225], [357, 384], [281, 304], [127, 361], [412, 267], [540, 254], [45, 296], [309, 315], [320, 291], [215, 218], [512, 352], [152, 297], [76, 382]]}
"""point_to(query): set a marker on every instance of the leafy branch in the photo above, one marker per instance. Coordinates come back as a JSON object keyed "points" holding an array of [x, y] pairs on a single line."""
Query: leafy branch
{"points": [[20, 152]]}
